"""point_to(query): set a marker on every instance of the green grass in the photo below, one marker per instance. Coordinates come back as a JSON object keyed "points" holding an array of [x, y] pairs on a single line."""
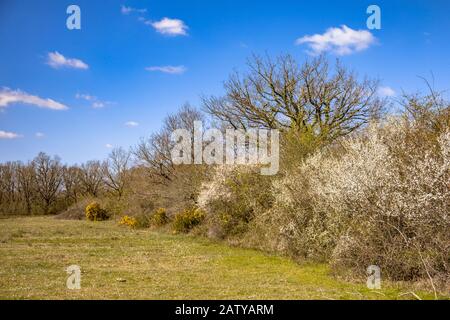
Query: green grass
{"points": [[35, 252]]}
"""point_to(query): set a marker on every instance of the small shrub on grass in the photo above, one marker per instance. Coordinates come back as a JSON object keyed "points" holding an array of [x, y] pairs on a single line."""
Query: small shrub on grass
{"points": [[94, 212], [188, 219], [128, 221], [139, 220], [77, 211], [143, 220], [159, 218]]}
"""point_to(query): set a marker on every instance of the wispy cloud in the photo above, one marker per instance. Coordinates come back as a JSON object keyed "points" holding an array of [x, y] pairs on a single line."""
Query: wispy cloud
{"points": [[57, 60], [95, 102], [128, 10], [167, 26], [386, 92], [109, 146], [341, 41], [9, 135], [40, 135], [98, 104], [8, 96], [131, 124], [86, 97], [168, 69]]}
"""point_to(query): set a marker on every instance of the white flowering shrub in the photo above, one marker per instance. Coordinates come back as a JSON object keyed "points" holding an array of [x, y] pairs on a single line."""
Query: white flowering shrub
{"points": [[215, 188], [381, 198]]}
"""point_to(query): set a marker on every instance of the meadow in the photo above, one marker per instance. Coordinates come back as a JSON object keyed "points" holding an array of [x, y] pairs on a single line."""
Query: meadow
{"points": [[122, 263]]}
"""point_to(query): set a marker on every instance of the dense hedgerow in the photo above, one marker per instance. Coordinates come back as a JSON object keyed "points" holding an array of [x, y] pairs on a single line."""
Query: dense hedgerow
{"points": [[378, 197], [376, 201]]}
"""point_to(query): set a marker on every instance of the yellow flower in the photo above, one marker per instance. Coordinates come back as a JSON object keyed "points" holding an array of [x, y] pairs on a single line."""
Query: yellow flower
{"points": [[128, 221]]}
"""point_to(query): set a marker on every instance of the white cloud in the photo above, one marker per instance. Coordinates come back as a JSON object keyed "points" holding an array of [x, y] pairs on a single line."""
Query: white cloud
{"points": [[168, 69], [128, 10], [86, 97], [173, 27], [8, 96], [98, 104], [109, 146], [9, 135], [341, 41], [386, 92], [57, 60], [39, 135], [131, 124], [95, 102]]}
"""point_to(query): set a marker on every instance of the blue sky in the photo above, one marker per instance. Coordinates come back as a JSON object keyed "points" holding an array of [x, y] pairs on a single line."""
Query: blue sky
{"points": [[114, 80]]}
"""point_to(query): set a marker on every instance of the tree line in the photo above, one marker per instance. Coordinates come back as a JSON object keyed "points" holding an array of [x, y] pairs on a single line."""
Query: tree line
{"points": [[45, 185]]}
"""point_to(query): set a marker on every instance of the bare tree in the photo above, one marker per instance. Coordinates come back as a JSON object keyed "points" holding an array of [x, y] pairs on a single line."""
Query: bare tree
{"points": [[115, 170], [48, 179], [310, 98], [72, 182], [430, 111], [91, 177], [154, 153], [8, 183], [26, 175]]}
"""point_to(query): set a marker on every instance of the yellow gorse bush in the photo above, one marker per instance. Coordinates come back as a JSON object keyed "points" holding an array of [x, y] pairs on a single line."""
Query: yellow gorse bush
{"points": [[128, 221], [159, 218], [188, 219], [94, 212]]}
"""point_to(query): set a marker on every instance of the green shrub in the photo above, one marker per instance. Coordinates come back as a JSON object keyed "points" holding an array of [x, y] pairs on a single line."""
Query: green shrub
{"points": [[143, 220], [137, 220], [159, 218], [118, 207], [233, 197], [94, 212], [188, 219]]}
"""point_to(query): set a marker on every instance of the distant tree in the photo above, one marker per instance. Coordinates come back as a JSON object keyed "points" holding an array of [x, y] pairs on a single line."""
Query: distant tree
{"points": [[26, 174], [327, 102], [48, 179], [91, 177], [72, 182], [154, 153], [115, 170], [8, 182]]}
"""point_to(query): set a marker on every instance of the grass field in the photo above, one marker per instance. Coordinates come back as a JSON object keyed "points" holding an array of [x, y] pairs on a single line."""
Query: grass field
{"points": [[120, 263]]}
